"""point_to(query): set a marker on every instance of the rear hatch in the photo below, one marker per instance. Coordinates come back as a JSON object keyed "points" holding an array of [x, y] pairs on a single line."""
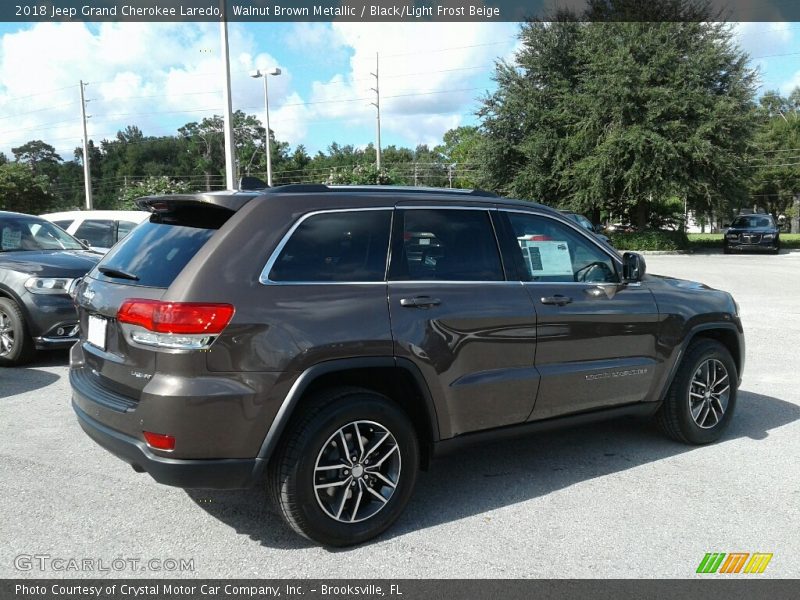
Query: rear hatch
{"points": [[141, 268]]}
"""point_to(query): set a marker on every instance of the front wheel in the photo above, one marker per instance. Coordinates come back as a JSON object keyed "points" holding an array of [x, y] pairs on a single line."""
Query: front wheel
{"points": [[347, 467], [16, 346], [702, 398]]}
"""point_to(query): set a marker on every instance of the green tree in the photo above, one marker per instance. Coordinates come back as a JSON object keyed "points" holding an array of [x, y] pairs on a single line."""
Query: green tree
{"points": [[775, 176], [23, 191], [460, 153], [152, 186], [359, 175], [622, 116]]}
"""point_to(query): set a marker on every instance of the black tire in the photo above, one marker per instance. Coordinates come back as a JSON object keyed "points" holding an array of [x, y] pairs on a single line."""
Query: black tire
{"points": [[726, 250], [675, 417], [292, 475], [776, 249], [16, 334]]}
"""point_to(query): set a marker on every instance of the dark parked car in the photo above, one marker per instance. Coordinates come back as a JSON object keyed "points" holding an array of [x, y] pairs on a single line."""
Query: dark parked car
{"points": [[38, 264], [305, 336], [587, 225], [752, 232]]}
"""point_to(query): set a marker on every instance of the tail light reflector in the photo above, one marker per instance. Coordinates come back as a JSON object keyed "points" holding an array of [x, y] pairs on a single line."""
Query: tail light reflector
{"points": [[159, 441], [188, 318]]}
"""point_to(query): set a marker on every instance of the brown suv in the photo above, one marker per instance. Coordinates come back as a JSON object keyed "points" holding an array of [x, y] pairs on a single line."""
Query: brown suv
{"points": [[331, 340]]}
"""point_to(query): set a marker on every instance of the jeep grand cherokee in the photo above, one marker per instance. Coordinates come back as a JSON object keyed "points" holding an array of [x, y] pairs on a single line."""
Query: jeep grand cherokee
{"points": [[329, 341]]}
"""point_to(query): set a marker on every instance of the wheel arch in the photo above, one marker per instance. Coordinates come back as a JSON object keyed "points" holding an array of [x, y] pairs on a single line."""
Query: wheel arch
{"points": [[727, 334], [397, 379]]}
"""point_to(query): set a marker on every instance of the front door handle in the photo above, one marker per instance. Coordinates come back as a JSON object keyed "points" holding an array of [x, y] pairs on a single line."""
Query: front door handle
{"points": [[420, 302], [558, 300]]}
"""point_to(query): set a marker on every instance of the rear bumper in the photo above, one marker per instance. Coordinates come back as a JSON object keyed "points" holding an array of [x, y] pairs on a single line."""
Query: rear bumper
{"points": [[214, 474]]}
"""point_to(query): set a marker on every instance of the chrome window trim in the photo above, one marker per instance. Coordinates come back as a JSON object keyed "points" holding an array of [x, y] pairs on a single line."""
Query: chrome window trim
{"points": [[264, 277], [442, 207], [615, 259]]}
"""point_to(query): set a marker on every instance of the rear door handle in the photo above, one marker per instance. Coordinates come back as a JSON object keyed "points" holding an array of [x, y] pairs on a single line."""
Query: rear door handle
{"points": [[558, 300], [420, 302]]}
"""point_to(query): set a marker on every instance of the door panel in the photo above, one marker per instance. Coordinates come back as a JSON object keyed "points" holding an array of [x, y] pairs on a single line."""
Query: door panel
{"points": [[471, 333], [478, 343], [599, 350], [596, 337]]}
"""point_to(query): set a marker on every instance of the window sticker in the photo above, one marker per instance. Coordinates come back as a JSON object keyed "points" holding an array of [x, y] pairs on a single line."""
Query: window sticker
{"points": [[11, 239], [546, 258]]}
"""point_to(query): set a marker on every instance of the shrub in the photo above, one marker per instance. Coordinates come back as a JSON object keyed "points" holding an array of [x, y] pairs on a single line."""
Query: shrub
{"points": [[650, 240]]}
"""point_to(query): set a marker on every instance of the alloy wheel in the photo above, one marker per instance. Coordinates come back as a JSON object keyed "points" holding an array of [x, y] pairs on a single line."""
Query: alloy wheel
{"points": [[6, 334], [709, 393], [357, 471]]}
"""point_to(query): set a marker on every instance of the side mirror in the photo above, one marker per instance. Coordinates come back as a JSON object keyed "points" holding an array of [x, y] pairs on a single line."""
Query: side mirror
{"points": [[726, 225], [86, 243], [633, 267], [599, 228]]}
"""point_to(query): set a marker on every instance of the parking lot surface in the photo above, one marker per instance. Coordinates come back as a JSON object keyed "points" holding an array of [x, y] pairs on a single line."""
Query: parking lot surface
{"points": [[614, 499]]}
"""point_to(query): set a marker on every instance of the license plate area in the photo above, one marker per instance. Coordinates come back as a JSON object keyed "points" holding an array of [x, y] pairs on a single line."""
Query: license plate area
{"points": [[96, 331]]}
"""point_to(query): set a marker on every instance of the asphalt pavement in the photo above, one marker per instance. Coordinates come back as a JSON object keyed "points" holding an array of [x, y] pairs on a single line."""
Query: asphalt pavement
{"points": [[614, 499]]}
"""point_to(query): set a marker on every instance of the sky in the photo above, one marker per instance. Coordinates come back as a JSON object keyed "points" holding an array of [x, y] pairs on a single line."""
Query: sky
{"points": [[160, 76]]}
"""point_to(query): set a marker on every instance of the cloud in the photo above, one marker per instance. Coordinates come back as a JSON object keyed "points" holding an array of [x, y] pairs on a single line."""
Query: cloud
{"points": [[430, 73], [159, 76], [154, 75]]}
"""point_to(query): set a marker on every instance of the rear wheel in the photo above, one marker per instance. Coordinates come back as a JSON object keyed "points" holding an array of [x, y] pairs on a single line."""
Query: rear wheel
{"points": [[347, 467], [16, 346], [701, 400]]}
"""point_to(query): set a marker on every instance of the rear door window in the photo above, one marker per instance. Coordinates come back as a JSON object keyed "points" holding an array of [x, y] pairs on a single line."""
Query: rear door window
{"points": [[98, 232], [341, 246], [445, 245]]}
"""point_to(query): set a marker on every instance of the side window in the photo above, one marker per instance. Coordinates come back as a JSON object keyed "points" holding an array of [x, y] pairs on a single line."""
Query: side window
{"points": [[63, 224], [336, 247], [98, 233], [552, 251], [124, 228], [445, 245]]}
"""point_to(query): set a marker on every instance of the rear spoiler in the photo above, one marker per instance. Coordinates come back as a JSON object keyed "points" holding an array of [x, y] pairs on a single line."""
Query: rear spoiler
{"points": [[231, 201]]}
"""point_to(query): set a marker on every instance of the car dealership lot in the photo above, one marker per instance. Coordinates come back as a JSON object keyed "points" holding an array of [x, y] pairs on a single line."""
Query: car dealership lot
{"points": [[605, 500]]}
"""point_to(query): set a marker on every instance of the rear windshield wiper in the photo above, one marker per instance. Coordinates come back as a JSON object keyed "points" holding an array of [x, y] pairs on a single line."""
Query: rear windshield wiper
{"points": [[117, 273]]}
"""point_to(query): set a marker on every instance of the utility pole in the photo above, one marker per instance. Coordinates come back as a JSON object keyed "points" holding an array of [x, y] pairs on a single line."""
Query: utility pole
{"points": [[377, 105], [87, 177], [230, 153]]}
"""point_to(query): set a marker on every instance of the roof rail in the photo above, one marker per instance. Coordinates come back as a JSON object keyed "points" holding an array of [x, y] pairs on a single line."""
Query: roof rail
{"points": [[298, 188]]}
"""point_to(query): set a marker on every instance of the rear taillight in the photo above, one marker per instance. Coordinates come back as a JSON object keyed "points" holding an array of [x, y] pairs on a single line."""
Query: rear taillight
{"points": [[159, 441], [174, 325], [176, 317]]}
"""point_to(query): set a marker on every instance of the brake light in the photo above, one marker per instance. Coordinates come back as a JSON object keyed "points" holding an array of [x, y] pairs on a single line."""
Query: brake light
{"points": [[189, 318], [159, 441]]}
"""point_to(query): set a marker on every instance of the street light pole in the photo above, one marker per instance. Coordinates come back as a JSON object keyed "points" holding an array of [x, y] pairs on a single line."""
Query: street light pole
{"points": [[87, 171], [377, 105], [230, 151], [268, 138]]}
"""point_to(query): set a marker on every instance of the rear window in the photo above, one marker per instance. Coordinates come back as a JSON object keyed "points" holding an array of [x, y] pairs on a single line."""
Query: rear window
{"points": [[158, 250]]}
